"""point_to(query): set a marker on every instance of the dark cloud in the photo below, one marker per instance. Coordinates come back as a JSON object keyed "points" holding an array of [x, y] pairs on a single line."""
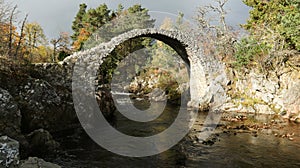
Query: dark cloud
{"points": [[57, 15]]}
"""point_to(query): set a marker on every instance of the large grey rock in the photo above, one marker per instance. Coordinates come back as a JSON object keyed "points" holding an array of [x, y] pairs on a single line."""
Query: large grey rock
{"points": [[256, 83], [216, 96], [292, 99], [42, 142], [271, 86], [267, 97], [45, 106], [55, 73], [10, 115], [9, 152], [268, 90], [34, 162], [278, 102], [105, 102]]}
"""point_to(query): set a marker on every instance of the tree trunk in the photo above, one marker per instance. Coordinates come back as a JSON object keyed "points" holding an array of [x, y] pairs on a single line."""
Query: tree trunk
{"points": [[21, 37], [11, 31]]}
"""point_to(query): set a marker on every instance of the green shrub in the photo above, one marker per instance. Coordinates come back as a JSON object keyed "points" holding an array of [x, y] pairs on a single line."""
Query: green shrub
{"points": [[249, 52], [275, 17]]}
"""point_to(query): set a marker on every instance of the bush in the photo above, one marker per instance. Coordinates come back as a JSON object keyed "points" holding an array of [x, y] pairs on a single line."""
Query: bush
{"points": [[249, 52], [275, 17]]}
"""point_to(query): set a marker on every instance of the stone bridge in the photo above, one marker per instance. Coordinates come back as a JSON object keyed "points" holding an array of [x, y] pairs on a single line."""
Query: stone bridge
{"points": [[201, 68], [48, 86]]}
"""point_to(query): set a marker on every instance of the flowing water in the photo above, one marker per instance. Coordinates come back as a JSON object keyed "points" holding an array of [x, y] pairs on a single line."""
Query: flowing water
{"points": [[230, 150]]}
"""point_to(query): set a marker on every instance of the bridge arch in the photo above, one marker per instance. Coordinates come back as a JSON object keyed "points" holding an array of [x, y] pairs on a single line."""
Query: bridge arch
{"points": [[185, 45]]}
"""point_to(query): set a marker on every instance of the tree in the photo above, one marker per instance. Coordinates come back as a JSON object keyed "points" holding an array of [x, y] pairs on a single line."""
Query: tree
{"points": [[86, 22], [61, 46], [216, 36], [8, 31], [5, 11], [164, 56], [78, 21], [97, 17], [20, 41], [25, 42], [101, 24], [11, 30], [34, 37], [135, 17], [7, 40], [274, 34], [120, 9], [41, 53], [276, 23], [103, 19]]}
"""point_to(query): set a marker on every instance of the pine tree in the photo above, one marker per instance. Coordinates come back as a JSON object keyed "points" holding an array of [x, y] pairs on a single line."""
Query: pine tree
{"points": [[78, 22], [275, 19]]}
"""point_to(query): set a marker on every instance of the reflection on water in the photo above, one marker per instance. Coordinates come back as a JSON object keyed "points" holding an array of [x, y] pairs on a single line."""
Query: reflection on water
{"points": [[241, 150], [245, 150], [142, 129]]}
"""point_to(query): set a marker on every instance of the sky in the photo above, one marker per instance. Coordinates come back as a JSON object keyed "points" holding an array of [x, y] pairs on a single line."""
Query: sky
{"points": [[57, 15]]}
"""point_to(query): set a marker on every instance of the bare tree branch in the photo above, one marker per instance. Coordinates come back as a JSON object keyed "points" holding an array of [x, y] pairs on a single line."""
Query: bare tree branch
{"points": [[11, 30], [21, 36]]}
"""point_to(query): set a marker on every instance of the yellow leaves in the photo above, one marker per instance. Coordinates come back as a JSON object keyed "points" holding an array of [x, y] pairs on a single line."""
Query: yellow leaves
{"points": [[34, 34], [82, 37], [39, 54], [84, 34], [6, 31], [42, 50]]}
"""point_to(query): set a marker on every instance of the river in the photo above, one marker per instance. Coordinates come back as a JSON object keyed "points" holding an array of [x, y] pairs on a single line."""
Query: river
{"points": [[232, 148]]}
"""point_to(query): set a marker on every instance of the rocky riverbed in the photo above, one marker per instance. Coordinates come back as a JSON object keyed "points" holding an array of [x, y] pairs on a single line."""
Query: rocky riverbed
{"points": [[255, 124]]}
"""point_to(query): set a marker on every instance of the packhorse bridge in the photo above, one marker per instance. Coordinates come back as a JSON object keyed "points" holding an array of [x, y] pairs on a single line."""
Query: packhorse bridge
{"points": [[202, 69], [53, 82]]}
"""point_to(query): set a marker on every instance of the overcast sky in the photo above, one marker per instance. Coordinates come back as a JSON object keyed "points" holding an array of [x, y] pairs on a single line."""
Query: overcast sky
{"points": [[57, 15]]}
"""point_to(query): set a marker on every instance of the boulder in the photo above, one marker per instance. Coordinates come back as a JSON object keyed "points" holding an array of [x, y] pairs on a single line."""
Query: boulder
{"points": [[292, 99], [10, 116], [44, 106], [42, 142], [105, 101], [9, 152], [34, 162]]}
